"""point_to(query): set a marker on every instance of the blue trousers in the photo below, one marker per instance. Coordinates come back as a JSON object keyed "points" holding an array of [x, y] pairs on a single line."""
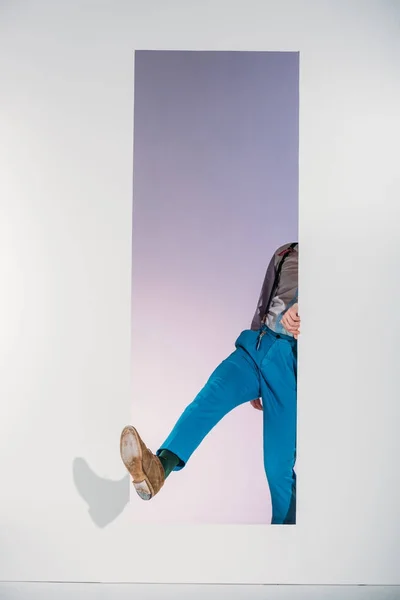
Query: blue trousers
{"points": [[266, 369]]}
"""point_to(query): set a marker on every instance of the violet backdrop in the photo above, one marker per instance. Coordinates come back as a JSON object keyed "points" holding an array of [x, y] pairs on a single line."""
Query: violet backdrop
{"points": [[215, 193]]}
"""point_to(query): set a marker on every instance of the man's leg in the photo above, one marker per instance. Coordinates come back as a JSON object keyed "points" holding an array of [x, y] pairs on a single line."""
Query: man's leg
{"points": [[279, 393], [235, 381]]}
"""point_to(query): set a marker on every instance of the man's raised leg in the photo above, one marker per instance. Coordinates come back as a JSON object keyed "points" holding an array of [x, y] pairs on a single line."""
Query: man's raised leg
{"points": [[234, 382]]}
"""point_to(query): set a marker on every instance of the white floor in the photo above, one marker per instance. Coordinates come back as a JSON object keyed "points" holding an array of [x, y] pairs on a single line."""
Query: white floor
{"points": [[81, 591]]}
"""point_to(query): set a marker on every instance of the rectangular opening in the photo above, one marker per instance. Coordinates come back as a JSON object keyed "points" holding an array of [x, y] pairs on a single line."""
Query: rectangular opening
{"points": [[215, 197]]}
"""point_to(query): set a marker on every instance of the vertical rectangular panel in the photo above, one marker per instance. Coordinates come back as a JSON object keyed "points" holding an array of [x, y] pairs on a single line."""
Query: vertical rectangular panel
{"points": [[215, 193]]}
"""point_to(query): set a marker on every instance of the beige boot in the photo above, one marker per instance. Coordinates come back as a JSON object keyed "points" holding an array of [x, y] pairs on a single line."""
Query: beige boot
{"points": [[145, 468]]}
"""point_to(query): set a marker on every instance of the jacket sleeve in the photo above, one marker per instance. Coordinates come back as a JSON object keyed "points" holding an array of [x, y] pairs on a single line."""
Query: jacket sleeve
{"points": [[264, 295]]}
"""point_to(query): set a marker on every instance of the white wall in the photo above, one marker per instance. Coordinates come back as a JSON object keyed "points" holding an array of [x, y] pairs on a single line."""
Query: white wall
{"points": [[65, 226]]}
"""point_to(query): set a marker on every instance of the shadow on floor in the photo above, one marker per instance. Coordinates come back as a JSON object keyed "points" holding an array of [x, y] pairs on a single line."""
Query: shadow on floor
{"points": [[106, 499]]}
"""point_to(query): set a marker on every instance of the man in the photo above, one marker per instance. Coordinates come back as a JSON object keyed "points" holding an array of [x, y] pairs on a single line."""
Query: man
{"points": [[263, 366]]}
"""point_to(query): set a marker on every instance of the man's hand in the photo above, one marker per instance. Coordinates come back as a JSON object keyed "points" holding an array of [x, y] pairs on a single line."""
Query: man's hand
{"points": [[291, 321], [257, 404]]}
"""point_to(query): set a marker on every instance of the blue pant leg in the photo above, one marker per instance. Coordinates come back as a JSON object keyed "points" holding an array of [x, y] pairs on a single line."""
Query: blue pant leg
{"points": [[235, 381], [279, 394]]}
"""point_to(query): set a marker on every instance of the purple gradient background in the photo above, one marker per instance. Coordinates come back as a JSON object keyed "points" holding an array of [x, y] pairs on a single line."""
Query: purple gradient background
{"points": [[215, 192]]}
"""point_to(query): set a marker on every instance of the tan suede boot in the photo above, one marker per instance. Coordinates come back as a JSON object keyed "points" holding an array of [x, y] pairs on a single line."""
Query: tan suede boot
{"points": [[145, 468]]}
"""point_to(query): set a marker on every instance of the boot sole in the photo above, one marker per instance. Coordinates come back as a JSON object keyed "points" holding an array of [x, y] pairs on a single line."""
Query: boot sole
{"points": [[132, 457]]}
